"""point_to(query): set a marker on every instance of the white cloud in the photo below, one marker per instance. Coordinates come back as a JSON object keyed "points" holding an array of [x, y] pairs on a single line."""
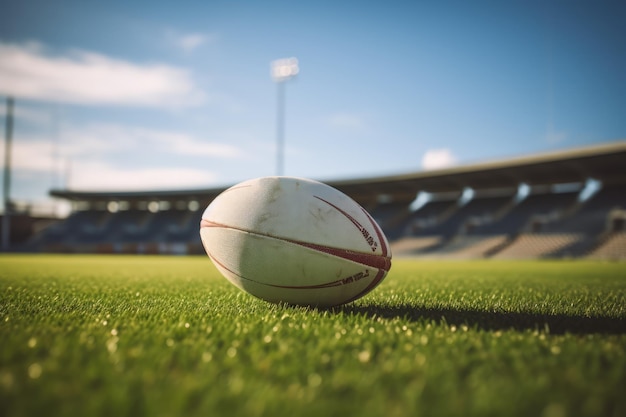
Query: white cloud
{"points": [[438, 158], [83, 77], [92, 174], [97, 140], [109, 138], [89, 171], [103, 176], [31, 155], [91, 153], [183, 144]]}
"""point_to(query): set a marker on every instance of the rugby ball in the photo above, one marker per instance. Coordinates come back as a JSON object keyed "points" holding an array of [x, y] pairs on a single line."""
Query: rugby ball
{"points": [[295, 241]]}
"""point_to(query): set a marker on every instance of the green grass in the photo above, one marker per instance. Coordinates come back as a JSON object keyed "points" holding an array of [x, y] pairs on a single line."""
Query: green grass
{"points": [[168, 336]]}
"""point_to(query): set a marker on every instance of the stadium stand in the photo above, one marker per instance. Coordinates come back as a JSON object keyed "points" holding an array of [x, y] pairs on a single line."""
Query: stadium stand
{"points": [[431, 214], [592, 216], [477, 211], [532, 245], [412, 241], [613, 248], [390, 213], [24, 226], [553, 217], [538, 207]]}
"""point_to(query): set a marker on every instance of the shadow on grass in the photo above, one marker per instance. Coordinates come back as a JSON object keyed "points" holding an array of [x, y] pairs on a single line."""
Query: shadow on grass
{"points": [[484, 320]]}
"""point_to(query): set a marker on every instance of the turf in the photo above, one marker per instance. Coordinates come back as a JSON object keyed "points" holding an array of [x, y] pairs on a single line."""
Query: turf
{"points": [[168, 336]]}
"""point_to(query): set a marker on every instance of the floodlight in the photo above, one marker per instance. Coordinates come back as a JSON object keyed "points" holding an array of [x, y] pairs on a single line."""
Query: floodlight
{"points": [[284, 69], [281, 71]]}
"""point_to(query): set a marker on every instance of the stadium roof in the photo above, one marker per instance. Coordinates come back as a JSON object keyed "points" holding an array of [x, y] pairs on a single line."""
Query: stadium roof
{"points": [[604, 162]]}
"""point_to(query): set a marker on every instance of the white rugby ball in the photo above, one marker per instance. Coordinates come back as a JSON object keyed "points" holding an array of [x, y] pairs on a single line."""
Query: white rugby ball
{"points": [[294, 240]]}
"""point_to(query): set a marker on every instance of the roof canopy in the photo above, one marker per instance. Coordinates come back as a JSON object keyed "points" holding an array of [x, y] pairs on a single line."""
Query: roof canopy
{"points": [[605, 162]]}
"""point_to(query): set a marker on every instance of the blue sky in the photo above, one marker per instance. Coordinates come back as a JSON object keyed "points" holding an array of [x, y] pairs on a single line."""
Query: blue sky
{"points": [[138, 95]]}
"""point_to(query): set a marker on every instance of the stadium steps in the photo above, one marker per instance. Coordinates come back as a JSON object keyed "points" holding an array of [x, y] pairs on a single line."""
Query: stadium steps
{"points": [[411, 246], [477, 246], [531, 245], [462, 247], [613, 247], [577, 249]]}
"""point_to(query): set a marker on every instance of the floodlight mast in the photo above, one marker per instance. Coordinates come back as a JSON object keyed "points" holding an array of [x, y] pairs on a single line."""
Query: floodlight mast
{"points": [[6, 218], [282, 70]]}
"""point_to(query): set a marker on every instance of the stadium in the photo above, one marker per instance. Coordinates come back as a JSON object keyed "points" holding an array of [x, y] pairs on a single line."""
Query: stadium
{"points": [[486, 139], [568, 204], [529, 319]]}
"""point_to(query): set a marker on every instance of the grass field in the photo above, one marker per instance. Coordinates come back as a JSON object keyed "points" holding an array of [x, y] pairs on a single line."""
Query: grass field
{"points": [[168, 336]]}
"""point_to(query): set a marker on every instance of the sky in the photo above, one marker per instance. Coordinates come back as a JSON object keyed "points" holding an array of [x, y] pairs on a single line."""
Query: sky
{"points": [[148, 95]]}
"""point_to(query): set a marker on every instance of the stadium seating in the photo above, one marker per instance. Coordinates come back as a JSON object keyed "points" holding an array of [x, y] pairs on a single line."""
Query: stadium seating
{"points": [[543, 207], [471, 247], [533, 245], [391, 216], [79, 228], [592, 215], [544, 224], [492, 224], [413, 246], [612, 248], [529, 213], [430, 214], [481, 209]]}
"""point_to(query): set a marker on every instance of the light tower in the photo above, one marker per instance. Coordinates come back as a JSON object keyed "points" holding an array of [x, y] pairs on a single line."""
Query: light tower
{"points": [[6, 192], [282, 70]]}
